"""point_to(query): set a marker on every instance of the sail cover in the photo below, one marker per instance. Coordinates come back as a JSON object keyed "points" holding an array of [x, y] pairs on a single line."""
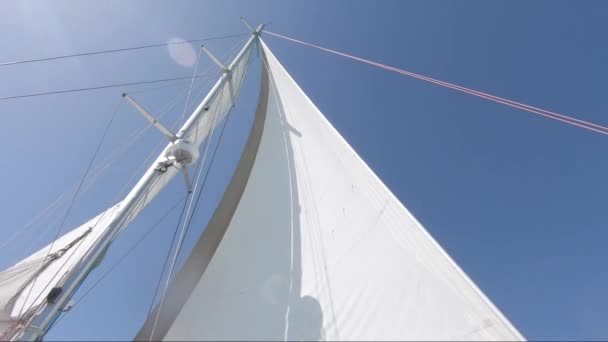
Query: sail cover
{"points": [[308, 243]]}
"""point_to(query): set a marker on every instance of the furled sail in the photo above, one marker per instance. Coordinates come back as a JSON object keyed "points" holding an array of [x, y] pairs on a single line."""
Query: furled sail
{"points": [[25, 286], [308, 243]]}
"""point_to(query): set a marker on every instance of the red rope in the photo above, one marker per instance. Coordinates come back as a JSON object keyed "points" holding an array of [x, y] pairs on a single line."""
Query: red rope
{"points": [[553, 115]]}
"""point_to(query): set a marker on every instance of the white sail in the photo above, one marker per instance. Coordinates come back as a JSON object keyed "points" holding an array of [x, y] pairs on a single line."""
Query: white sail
{"points": [[25, 286], [308, 243]]}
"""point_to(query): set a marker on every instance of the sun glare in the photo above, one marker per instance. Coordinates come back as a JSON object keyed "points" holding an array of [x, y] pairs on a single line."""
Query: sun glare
{"points": [[183, 54]]}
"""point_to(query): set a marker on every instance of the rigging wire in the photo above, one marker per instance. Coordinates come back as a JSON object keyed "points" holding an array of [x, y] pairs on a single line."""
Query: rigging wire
{"points": [[535, 110], [201, 162], [153, 152], [78, 190], [115, 200], [37, 217], [231, 52], [143, 201], [134, 137], [97, 171], [75, 196], [114, 85], [54, 217], [113, 155], [125, 255], [186, 223], [139, 133], [190, 213], [65, 262], [199, 167], [129, 218], [179, 221], [90, 179], [118, 50], [143, 237], [198, 59], [169, 250]]}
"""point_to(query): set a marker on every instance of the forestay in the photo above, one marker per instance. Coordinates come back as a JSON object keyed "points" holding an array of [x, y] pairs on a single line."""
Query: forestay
{"points": [[308, 243]]}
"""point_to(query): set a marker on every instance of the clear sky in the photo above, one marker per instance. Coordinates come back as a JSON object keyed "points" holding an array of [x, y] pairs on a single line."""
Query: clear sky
{"points": [[519, 201]]}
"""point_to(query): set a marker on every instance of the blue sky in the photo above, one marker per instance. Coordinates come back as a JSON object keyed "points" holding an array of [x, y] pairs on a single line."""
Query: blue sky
{"points": [[516, 199]]}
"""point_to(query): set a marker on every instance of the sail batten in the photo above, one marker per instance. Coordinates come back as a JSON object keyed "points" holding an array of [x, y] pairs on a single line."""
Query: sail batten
{"points": [[319, 248]]}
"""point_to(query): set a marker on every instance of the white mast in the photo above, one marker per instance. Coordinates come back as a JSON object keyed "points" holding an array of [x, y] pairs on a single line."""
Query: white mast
{"points": [[180, 153]]}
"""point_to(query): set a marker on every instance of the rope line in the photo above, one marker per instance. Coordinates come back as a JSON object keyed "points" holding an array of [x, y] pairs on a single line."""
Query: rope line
{"points": [[124, 256], [117, 50], [98, 87], [186, 222], [198, 59], [205, 148], [30, 223], [190, 213], [535, 110], [95, 172], [98, 169], [74, 197], [162, 271]]}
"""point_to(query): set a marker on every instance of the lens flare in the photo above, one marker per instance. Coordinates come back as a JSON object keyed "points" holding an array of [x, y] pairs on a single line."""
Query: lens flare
{"points": [[181, 52]]}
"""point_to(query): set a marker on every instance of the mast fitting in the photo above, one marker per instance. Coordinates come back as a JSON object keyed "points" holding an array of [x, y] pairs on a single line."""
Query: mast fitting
{"points": [[164, 130], [180, 154], [215, 59]]}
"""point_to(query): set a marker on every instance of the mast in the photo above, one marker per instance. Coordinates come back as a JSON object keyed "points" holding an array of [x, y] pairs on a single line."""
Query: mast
{"points": [[179, 153]]}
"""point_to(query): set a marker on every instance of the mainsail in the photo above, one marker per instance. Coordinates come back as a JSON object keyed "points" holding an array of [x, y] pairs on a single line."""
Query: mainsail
{"points": [[308, 243]]}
